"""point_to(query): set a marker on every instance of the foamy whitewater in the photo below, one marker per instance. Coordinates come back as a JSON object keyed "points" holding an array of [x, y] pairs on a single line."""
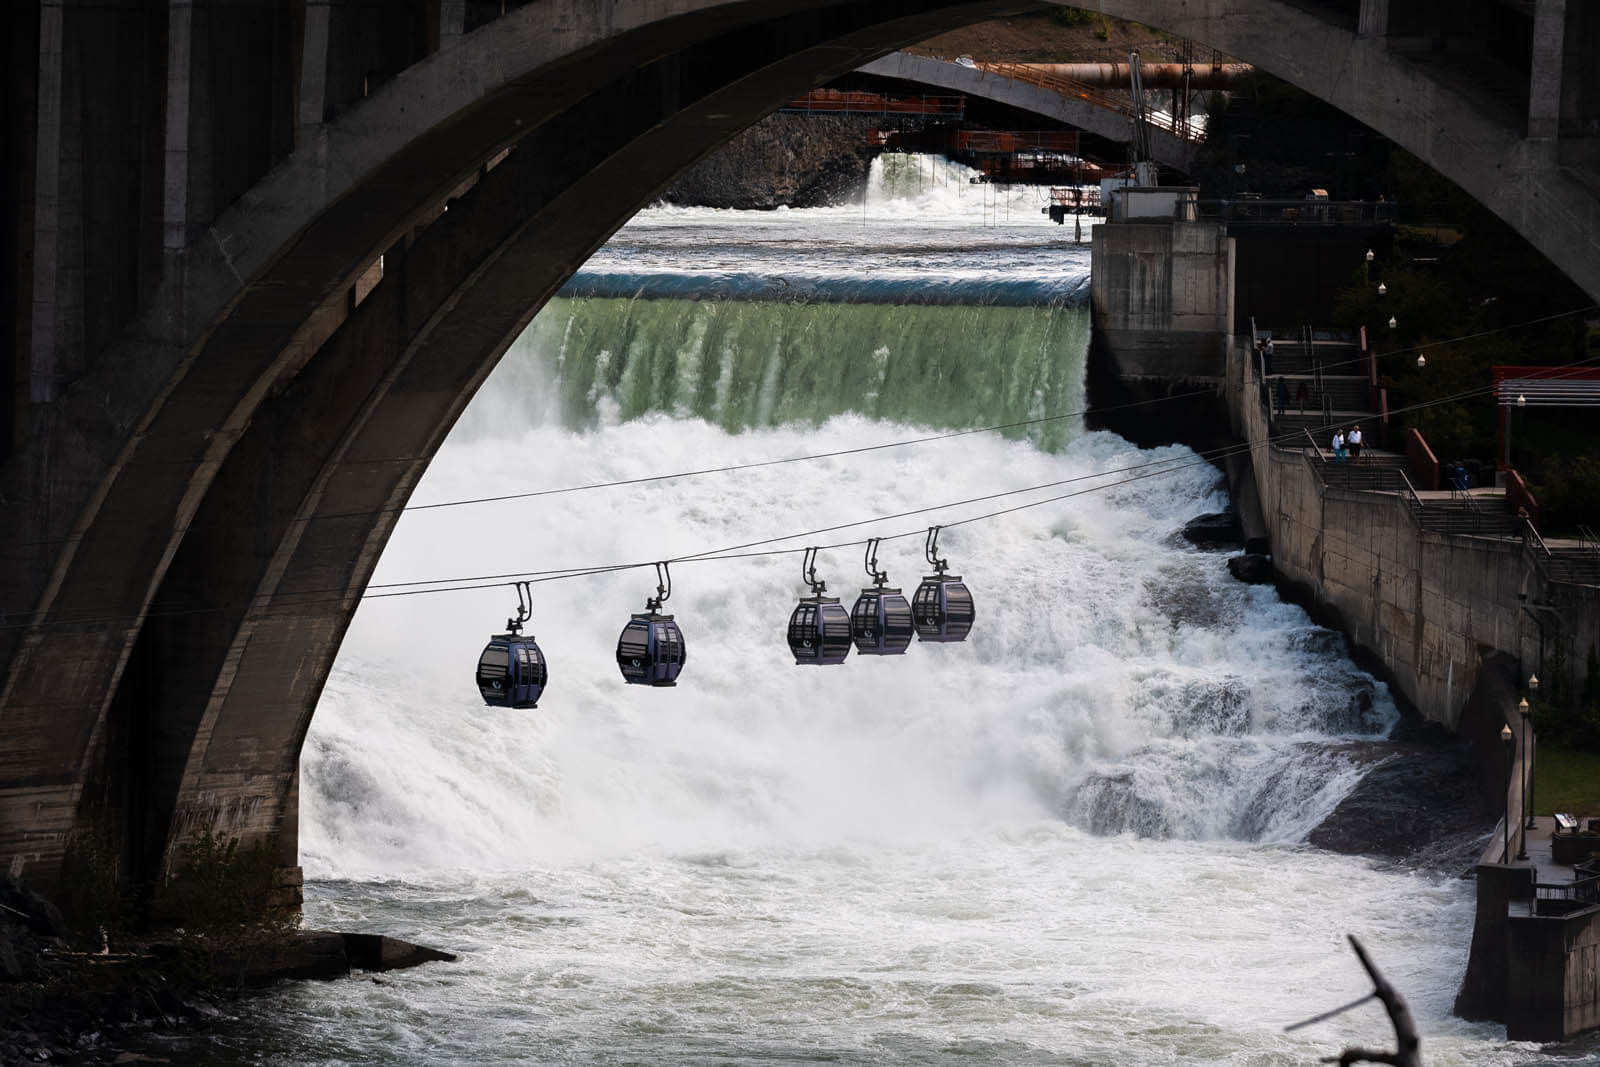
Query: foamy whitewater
{"points": [[1075, 838]]}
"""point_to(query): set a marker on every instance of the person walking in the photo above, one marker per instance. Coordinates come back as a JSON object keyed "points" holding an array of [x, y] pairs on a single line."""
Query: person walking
{"points": [[1282, 395], [1338, 446], [1301, 395], [1353, 443], [1266, 356]]}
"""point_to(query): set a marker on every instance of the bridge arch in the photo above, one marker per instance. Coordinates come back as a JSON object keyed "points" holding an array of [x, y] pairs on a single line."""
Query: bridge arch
{"points": [[276, 411], [284, 387]]}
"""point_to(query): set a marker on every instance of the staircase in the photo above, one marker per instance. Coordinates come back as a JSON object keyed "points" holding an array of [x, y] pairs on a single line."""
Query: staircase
{"points": [[1577, 564], [1325, 385], [1337, 390]]}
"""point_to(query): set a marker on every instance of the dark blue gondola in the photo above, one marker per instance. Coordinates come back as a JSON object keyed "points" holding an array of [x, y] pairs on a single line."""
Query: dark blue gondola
{"points": [[650, 649], [512, 671], [880, 622], [942, 607], [819, 628]]}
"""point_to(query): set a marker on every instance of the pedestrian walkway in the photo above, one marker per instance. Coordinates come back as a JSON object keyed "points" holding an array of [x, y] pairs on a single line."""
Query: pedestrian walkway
{"points": [[1557, 882]]}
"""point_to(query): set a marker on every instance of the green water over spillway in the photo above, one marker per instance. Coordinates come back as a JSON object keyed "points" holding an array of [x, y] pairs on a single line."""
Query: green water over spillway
{"points": [[741, 364]]}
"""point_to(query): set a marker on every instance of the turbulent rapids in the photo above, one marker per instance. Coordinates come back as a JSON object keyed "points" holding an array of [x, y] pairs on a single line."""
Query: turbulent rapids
{"points": [[1074, 837]]}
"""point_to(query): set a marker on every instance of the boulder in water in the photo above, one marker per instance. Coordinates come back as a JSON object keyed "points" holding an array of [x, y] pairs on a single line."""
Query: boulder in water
{"points": [[1251, 567], [1219, 528], [375, 952]]}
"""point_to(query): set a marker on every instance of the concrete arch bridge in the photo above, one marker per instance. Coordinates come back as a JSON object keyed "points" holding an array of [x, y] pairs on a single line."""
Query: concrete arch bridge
{"points": [[999, 85], [243, 319]]}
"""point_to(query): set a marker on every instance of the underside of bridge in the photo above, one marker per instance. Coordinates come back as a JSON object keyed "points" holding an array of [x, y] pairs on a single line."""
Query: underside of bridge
{"points": [[264, 253]]}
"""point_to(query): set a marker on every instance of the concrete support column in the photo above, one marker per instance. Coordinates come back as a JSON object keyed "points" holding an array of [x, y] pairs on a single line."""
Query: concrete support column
{"points": [[1374, 19], [452, 21], [186, 177], [314, 65], [180, 68], [47, 204], [1544, 84]]}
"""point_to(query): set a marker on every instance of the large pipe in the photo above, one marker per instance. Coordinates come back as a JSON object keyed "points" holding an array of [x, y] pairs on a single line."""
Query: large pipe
{"points": [[1155, 75]]}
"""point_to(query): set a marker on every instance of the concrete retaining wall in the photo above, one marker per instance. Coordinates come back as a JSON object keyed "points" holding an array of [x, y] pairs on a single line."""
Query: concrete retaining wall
{"points": [[1551, 989], [1162, 294], [1426, 605]]}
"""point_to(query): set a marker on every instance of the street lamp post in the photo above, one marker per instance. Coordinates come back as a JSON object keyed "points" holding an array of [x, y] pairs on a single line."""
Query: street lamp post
{"points": [[1533, 687], [1505, 820], [1522, 402], [1522, 839]]}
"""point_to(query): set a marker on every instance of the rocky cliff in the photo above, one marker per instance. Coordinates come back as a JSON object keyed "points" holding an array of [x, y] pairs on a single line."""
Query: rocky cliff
{"points": [[786, 159]]}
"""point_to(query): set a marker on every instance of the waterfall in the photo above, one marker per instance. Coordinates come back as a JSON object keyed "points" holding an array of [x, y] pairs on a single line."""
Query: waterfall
{"points": [[1118, 679], [741, 365]]}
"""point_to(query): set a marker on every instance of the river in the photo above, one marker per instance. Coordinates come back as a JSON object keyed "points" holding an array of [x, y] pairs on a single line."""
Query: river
{"points": [[1075, 838]]}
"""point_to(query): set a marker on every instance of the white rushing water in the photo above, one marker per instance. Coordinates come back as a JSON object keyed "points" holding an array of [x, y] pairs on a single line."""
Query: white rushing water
{"points": [[1072, 839]]}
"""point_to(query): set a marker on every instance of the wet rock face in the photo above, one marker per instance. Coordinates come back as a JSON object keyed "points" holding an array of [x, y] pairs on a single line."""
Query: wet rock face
{"points": [[62, 1003], [785, 160], [1419, 806]]}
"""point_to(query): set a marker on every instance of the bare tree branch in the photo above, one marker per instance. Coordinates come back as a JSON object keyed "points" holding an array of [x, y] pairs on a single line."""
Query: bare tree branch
{"points": [[1408, 1052]]}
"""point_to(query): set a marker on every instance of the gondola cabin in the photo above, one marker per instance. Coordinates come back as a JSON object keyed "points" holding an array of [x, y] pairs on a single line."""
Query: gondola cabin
{"points": [[819, 631], [942, 608], [512, 671], [880, 622], [650, 650]]}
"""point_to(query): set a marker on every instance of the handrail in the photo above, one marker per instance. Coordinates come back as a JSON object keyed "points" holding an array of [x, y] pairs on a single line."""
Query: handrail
{"points": [[1463, 496], [1580, 893], [1416, 500], [1587, 538], [1297, 213], [1117, 102], [1530, 537], [1258, 360]]}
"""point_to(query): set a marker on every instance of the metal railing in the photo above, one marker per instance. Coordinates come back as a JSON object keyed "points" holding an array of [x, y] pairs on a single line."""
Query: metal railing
{"points": [[1462, 497], [1564, 898], [1470, 522], [1535, 543], [1575, 566], [1118, 102], [1299, 212], [834, 101], [1442, 517]]}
